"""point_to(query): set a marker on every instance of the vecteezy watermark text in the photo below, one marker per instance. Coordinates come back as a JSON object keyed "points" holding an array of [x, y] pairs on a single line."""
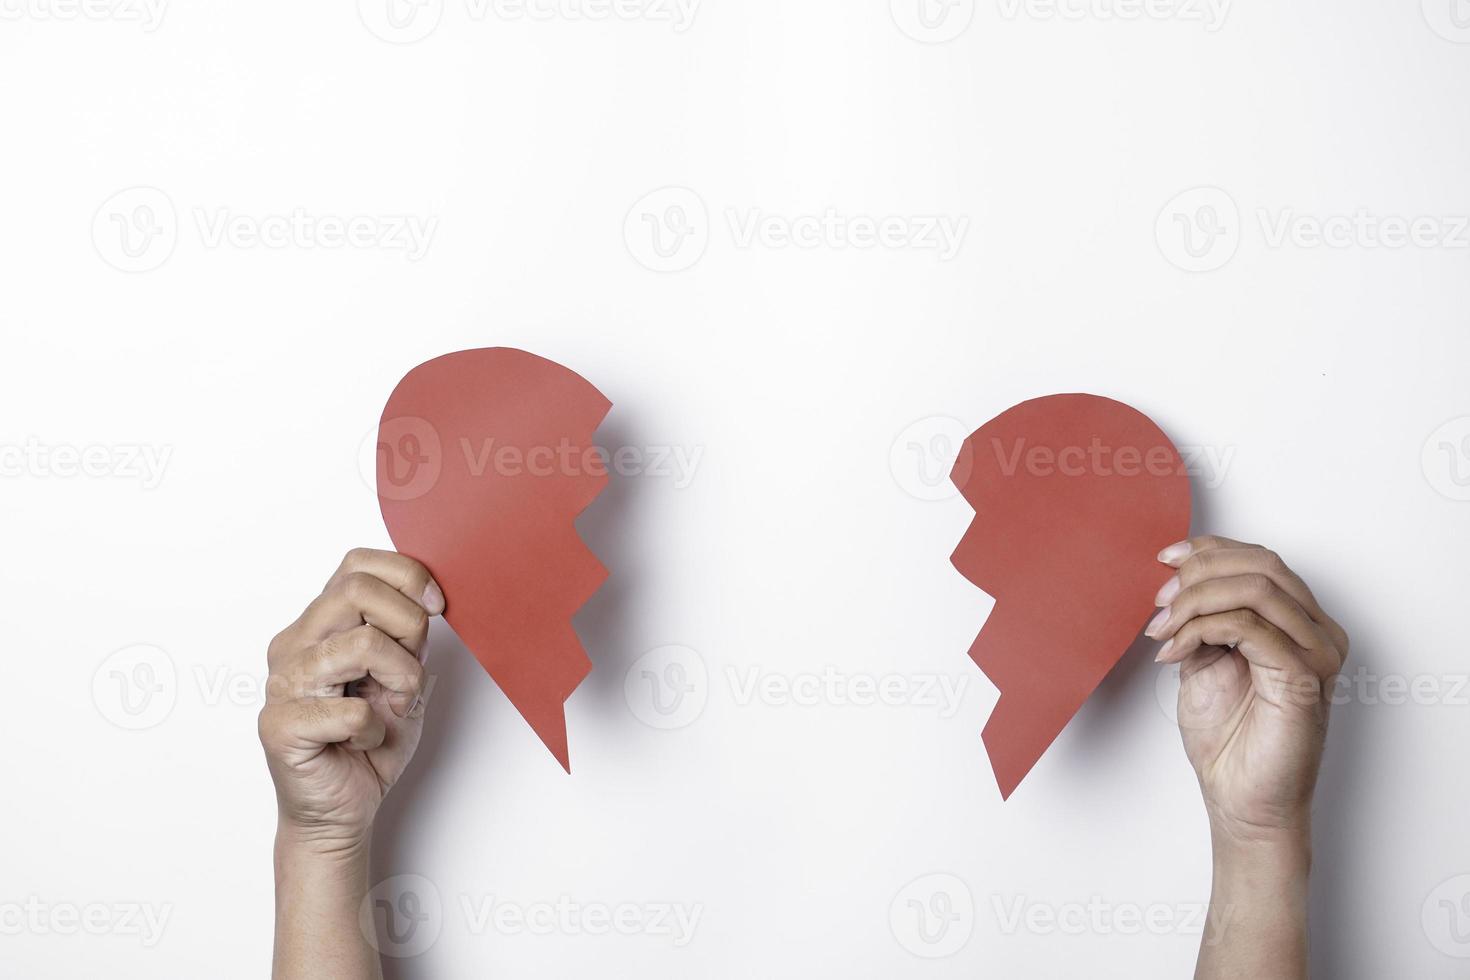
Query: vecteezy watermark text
{"points": [[141, 462], [1097, 458], [1200, 230], [669, 229], [565, 916], [841, 689], [1210, 13], [404, 458], [138, 229], [403, 916], [147, 14], [409, 21], [1100, 917], [33, 916]]}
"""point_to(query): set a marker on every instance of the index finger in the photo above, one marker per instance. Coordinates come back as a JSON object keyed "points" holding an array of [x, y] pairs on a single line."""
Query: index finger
{"points": [[398, 570], [1176, 553]]}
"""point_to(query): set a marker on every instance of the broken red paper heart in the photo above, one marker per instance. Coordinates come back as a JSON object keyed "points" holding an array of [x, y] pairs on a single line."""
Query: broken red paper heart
{"points": [[1074, 496], [484, 460]]}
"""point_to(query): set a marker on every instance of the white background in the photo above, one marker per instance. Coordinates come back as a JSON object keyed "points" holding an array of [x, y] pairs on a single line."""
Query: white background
{"points": [[1324, 375]]}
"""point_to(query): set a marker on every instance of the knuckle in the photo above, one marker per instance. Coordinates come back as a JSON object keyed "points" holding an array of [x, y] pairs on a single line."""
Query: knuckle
{"points": [[1197, 567], [355, 558], [275, 651], [357, 586], [414, 572], [1186, 601], [1257, 586], [266, 726], [362, 641], [1243, 621], [1273, 561]]}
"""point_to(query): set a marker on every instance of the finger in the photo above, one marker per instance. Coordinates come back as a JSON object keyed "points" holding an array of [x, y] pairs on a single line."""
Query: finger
{"points": [[1224, 562], [1178, 552], [1200, 659], [400, 571], [361, 652], [1256, 592], [1211, 681], [357, 598], [1260, 643], [303, 727]]}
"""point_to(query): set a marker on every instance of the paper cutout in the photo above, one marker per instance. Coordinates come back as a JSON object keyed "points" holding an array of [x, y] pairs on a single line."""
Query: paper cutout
{"points": [[484, 460], [1074, 497]]}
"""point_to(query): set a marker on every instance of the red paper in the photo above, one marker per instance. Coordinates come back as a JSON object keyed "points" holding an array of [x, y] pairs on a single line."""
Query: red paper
{"points": [[485, 458], [1074, 497]]}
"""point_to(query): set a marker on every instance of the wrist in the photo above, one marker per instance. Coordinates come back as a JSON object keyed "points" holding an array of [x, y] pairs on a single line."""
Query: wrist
{"points": [[1259, 884], [1285, 845], [321, 844], [311, 864], [321, 888]]}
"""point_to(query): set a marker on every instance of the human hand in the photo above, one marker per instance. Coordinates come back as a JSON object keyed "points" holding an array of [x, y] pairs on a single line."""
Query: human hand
{"points": [[1257, 655], [344, 707]]}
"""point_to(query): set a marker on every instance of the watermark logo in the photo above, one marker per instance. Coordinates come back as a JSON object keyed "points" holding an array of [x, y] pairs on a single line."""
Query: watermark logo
{"points": [[932, 21], [1446, 917], [1446, 459], [402, 916], [135, 230], [404, 458], [1207, 700], [1199, 229], [667, 230], [401, 459], [667, 687], [923, 456], [136, 687], [400, 21], [1450, 19], [933, 916]]}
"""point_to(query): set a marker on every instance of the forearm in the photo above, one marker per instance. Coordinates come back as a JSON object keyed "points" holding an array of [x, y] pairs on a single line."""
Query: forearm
{"points": [[319, 896], [1257, 924]]}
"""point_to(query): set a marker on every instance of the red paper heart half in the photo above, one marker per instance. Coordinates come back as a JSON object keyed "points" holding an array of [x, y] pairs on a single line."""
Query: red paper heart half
{"points": [[1074, 497], [484, 460]]}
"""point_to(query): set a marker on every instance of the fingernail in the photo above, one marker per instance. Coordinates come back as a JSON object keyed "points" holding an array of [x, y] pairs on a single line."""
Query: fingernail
{"points": [[433, 600], [1157, 623], [1175, 553], [1168, 592], [1163, 652]]}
